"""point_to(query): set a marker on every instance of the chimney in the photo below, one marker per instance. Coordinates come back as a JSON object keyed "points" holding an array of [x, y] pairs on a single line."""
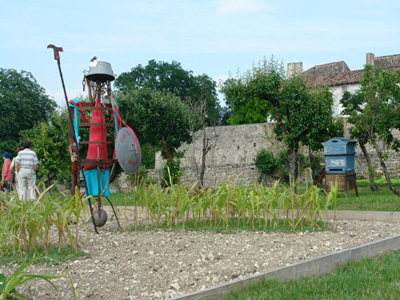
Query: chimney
{"points": [[370, 59], [294, 69]]}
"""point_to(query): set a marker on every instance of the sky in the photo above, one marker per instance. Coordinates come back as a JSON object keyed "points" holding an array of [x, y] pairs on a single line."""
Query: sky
{"points": [[215, 37]]}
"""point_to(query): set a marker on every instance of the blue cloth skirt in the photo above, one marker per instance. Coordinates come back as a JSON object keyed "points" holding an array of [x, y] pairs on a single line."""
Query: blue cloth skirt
{"points": [[93, 185]]}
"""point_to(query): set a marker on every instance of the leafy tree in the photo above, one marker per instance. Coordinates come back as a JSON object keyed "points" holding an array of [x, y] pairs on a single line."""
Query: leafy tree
{"points": [[162, 80], [303, 115], [23, 103], [246, 94], [172, 78], [353, 106], [161, 76], [159, 118], [321, 126], [380, 89], [50, 142]]}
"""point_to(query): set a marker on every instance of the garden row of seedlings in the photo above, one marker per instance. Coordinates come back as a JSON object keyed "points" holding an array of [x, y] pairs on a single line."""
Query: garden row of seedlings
{"points": [[25, 231], [230, 206], [26, 226]]}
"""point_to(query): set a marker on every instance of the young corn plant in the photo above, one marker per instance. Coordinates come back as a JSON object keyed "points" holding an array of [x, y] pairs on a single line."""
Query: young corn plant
{"points": [[294, 205], [28, 223], [9, 285]]}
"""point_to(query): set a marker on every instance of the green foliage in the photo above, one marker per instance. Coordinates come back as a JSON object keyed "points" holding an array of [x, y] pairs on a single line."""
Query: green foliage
{"points": [[374, 109], [303, 114], [23, 103], [8, 292], [370, 278], [173, 79], [25, 226], [148, 155], [172, 172], [50, 142], [159, 118], [280, 163], [306, 115], [319, 118], [374, 112], [250, 94], [369, 200], [52, 255], [160, 76], [265, 161], [8, 285], [247, 204]]}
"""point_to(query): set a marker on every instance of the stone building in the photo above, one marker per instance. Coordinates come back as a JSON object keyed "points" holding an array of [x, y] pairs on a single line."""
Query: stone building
{"points": [[233, 148]]}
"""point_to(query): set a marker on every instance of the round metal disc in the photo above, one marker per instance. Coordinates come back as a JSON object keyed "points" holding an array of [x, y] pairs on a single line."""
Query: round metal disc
{"points": [[127, 150]]}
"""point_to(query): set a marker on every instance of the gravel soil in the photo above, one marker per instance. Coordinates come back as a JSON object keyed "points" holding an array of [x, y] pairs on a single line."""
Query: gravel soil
{"points": [[161, 264]]}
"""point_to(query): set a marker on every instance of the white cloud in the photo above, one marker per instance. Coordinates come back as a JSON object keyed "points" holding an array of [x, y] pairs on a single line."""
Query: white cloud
{"points": [[240, 6]]}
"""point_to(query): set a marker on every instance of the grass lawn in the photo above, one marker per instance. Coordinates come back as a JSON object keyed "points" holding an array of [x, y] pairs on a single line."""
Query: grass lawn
{"points": [[382, 200], [372, 278]]}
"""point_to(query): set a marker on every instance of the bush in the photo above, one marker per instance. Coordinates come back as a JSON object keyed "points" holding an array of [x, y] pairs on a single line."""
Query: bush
{"points": [[266, 162]]}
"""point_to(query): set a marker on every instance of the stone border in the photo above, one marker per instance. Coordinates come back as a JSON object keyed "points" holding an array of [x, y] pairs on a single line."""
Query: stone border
{"points": [[317, 266], [383, 216]]}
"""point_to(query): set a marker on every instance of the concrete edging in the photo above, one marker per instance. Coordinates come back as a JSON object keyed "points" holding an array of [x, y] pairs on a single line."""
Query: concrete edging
{"points": [[320, 265], [383, 216]]}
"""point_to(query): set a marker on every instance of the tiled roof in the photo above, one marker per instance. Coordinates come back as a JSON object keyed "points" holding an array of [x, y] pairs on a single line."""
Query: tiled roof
{"points": [[338, 73]]}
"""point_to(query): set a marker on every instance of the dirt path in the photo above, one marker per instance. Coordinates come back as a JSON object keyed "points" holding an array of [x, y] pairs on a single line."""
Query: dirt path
{"points": [[157, 265]]}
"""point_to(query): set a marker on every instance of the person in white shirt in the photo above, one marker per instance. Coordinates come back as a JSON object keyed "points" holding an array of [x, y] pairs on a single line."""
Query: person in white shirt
{"points": [[26, 166]]}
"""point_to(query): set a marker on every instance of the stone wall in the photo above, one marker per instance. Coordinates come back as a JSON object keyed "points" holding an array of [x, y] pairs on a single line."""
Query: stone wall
{"points": [[233, 149]]}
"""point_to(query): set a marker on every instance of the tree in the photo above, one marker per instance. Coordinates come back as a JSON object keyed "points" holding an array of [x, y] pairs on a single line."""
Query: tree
{"points": [[303, 115], [23, 103], [250, 107], [163, 80], [172, 78], [353, 106], [158, 118], [380, 90], [161, 76], [319, 121]]}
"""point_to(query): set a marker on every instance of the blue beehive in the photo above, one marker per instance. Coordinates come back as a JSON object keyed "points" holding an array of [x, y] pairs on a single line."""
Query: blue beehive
{"points": [[339, 155]]}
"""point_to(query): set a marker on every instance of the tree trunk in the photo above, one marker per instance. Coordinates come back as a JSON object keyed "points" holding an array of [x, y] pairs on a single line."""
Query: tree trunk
{"points": [[312, 166], [167, 152], [370, 166], [203, 156], [383, 166], [292, 157]]}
